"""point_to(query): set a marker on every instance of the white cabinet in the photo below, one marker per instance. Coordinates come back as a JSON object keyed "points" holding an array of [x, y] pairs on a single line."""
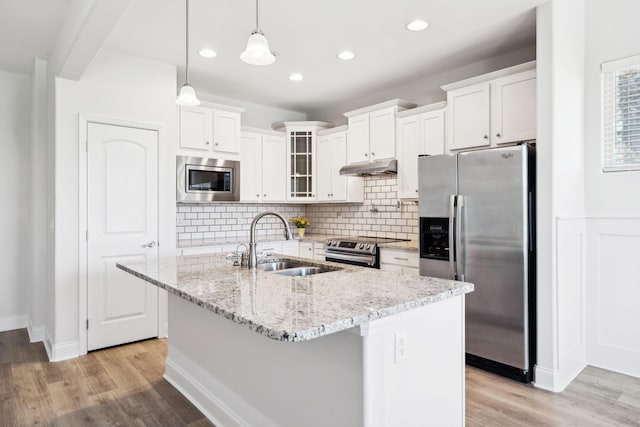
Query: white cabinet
{"points": [[469, 110], [263, 169], [301, 160], [402, 262], [318, 251], [493, 109], [306, 249], [372, 131], [513, 108], [331, 156], [422, 132], [291, 247], [210, 131]]}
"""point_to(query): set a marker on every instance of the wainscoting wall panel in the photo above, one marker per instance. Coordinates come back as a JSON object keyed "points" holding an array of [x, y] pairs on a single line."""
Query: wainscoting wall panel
{"points": [[614, 294]]}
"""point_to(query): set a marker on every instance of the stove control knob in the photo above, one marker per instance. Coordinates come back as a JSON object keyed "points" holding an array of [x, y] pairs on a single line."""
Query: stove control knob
{"points": [[361, 245], [367, 247], [333, 243]]}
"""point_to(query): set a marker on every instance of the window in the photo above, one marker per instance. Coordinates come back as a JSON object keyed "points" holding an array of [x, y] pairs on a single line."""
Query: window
{"points": [[621, 115]]}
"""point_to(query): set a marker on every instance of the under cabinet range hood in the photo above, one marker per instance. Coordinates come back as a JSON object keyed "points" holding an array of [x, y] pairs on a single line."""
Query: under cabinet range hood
{"points": [[378, 167]]}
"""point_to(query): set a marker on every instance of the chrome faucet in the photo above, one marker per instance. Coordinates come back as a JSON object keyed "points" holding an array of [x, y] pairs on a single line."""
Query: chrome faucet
{"points": [[253, 257]]}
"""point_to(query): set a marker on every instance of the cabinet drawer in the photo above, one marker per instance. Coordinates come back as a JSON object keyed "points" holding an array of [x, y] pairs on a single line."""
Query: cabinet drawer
{"points": [[403, 258]]}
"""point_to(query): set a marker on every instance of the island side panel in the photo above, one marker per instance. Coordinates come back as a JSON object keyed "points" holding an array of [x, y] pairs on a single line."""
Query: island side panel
{"points": [[426, 385], [237, 377]]}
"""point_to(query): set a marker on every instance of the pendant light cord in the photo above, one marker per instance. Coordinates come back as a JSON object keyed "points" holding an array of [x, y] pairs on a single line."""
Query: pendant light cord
{"points": [[257, 12], [187, 50]]}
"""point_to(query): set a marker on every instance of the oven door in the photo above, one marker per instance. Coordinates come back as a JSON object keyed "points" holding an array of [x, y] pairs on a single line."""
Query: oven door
{"points": [[361, 260], [207, 180]]}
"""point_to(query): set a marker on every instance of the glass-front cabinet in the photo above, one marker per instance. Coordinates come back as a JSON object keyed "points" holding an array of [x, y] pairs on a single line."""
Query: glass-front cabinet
{"points": [[301, 150]]}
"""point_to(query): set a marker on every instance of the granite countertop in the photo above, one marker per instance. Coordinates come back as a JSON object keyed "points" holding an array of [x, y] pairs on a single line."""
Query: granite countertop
{"points": [[289, 308], [409, 246]]}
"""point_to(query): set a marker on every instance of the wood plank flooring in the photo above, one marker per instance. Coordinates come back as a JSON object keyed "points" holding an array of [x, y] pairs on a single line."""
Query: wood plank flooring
{"points": [[123, 386]]}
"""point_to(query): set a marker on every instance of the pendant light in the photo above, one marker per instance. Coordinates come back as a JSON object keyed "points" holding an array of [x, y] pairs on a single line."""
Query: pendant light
{"points": [[257, 51], [187, 96]]}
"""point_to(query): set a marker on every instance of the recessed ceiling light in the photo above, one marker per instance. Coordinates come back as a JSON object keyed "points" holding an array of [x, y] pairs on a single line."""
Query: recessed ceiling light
{"points": [[296, 77], [417, 25], [207, 53], [346, 55]]}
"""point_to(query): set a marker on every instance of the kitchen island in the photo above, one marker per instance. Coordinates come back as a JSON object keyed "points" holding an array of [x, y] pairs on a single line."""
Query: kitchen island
{"points": [[349, 347]]}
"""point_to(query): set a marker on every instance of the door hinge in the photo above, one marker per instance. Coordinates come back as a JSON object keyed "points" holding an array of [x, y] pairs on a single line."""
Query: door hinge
{"points": [[87, 324]]}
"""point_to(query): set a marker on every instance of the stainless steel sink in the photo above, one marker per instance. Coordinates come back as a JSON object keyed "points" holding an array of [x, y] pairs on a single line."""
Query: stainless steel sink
{"points": [[294, 268], [278, 265], [305, 271]]}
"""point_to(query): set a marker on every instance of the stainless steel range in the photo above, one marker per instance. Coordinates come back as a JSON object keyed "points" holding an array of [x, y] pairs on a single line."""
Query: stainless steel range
{"points": [[361, 250]]}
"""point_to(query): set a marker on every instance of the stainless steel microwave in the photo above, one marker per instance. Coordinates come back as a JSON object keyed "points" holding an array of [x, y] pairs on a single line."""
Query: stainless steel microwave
{"points": [[201, 179]]}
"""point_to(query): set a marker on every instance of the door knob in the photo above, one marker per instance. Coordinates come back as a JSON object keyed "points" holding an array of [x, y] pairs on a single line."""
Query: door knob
{"points": [[366, 154], [373, 154], [151, 244], [207, 142], [216, 144], [257, 195], [486, 137], [498, 135]]}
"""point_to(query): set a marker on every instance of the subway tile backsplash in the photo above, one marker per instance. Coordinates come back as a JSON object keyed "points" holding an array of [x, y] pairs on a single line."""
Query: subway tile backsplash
{"points": [[229, 221], [380, 215]]}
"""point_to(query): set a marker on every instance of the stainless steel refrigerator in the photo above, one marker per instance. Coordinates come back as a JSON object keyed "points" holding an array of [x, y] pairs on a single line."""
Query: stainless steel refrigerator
{"points": [[477, 224]]}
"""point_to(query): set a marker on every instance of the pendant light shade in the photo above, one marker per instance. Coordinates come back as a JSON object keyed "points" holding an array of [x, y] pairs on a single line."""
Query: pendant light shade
{"points": [[257, 51], [187, 96]]}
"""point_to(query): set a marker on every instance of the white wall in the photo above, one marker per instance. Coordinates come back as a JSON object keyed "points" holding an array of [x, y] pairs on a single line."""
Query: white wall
{"points": [[561, 246], [38, 192], [425, 90], [115, 85], [15, 170], [612, 203]]}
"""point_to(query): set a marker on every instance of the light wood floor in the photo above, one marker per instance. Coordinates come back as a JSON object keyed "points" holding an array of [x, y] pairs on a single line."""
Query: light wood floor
{"points": [[123, 386]]}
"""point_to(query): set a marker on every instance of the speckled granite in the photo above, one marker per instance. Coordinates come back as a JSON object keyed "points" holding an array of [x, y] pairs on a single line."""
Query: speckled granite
{"points": [[293, 308]]}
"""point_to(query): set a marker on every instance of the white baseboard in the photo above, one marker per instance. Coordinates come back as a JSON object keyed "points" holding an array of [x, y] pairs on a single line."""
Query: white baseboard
{"points": [[216, 411], [36, 333], [62, 351], [556, 381], [10, 323]]}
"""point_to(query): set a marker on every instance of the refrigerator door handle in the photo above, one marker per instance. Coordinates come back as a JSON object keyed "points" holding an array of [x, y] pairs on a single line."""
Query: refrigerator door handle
{"points": [[460, 253], [452, 245]]}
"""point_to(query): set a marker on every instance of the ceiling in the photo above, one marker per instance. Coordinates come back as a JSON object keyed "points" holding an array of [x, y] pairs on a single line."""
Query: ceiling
{"points": [[28, 30], [305, 34]]}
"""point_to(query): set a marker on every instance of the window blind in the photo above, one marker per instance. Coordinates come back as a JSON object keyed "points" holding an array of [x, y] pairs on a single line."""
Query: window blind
{"points": [[621, 115]]}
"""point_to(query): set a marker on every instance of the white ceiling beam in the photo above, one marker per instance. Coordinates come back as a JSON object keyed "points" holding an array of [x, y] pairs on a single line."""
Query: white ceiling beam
{"points": [[84, 31]]}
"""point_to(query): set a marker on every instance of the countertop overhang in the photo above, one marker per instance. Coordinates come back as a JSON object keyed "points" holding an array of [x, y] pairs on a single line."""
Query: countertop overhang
{"points": [[293, 308]]}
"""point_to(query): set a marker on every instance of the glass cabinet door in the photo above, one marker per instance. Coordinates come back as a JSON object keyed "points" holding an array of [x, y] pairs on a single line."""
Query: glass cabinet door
{"points": [[301, 185]]}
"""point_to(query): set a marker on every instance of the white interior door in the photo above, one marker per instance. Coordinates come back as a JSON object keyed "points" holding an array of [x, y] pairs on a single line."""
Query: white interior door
{"points": [[122, 212]]}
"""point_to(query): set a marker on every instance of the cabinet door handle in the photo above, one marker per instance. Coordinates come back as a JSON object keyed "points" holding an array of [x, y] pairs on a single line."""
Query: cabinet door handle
{"points": [[257, 195], [486, 137], [416, 191], [373, 154], [498, 135], [401, 259], [151, 244], [264, 195], [206, 142], [216, 144], [366, 154]]}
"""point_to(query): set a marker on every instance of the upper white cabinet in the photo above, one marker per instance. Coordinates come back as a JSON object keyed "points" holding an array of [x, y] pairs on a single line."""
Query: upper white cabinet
{"points": [[372, 131], [331, 156], [420, 131], [210, 130], [263, 169], [492, 109], [301, 160]]}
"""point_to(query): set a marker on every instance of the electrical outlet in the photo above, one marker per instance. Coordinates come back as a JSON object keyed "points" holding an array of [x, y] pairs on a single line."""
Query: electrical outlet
{"points": [[401, 346]]}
